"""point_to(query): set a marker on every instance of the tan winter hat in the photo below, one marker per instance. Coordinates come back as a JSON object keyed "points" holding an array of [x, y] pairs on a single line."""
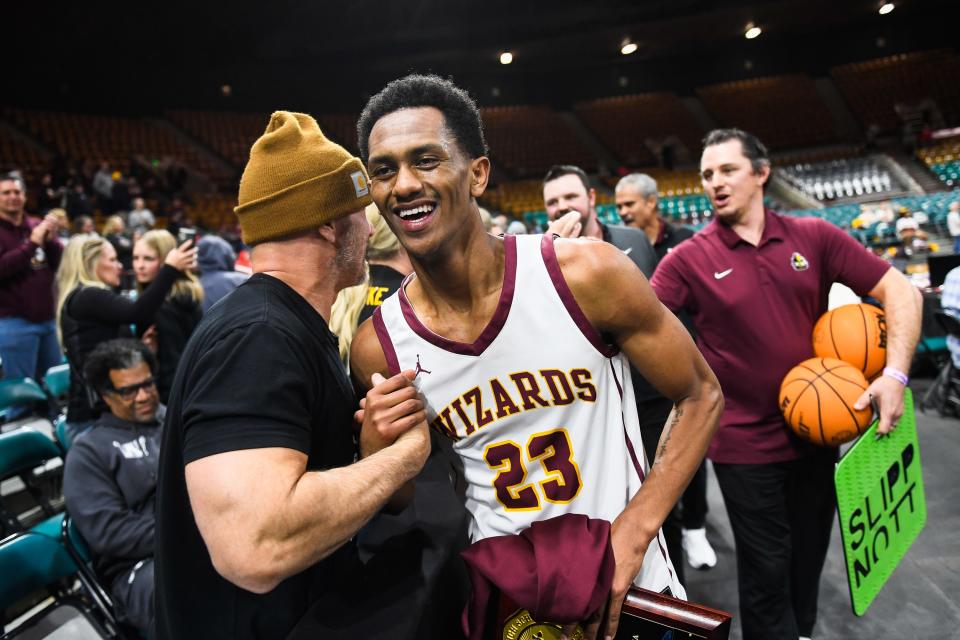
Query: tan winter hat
{"points": [[297, 179]]}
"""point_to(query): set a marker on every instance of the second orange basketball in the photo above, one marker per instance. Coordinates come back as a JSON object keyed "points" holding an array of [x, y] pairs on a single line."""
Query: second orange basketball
{"points": [[817, 398], [854, 333]]}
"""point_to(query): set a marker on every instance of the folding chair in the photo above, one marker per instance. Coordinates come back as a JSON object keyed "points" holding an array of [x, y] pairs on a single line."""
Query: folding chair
{"points": [[944, 394], [21, 452], [19, 391], [60, 433], [76, 546], [57, 383], [35, 567]]}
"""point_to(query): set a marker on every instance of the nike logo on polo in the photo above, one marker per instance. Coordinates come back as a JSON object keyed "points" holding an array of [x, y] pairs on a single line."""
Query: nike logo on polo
{"points": [[627, 251], [720, 275]]}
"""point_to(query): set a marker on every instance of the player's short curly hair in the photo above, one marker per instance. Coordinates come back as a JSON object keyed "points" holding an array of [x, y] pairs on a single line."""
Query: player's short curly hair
{"points": [[459, 110]]}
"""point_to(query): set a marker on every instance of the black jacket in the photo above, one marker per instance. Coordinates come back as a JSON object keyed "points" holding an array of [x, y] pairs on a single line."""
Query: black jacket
{"points": [[109, 484]]}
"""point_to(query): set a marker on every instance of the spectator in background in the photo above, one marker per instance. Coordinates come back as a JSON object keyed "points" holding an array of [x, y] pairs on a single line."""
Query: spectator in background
{"points": [[140, 220], [516, 228], [217, 259], [571, 207], [953, 224], [78, 204], [180, 312], [637, 204], [89, 311], [913, 240], [83, 225], [115, 232], [950, 302], [500, 224], [110, 476], [48, 196], [103, 187], [29, 256]]}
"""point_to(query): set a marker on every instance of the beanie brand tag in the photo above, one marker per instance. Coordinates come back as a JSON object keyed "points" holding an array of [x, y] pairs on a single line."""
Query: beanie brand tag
{"points": [[360, 183]]}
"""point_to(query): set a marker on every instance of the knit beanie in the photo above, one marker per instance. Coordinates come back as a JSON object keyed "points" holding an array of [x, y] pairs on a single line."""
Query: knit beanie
{"points": [[297, 179]]}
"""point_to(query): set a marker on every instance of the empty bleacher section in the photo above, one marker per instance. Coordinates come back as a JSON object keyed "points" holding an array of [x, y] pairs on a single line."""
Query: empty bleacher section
{"points": [[626, 124], [116, 140], [943, 160], [17, 154], [228, 134], [783, 111], [527, 140], [875, 88], [841, 179]]}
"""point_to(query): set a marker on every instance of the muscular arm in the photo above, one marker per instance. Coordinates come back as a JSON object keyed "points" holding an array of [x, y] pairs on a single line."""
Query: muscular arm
{"points": [[903, 307], [625, 308], [264, 517]]}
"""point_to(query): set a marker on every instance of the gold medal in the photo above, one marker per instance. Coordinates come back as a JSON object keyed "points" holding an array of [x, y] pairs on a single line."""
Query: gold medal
{"points": [[520, 626]]}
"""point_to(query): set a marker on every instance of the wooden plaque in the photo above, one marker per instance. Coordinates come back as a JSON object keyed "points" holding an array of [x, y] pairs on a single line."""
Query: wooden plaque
{"points": [[645, 615]]}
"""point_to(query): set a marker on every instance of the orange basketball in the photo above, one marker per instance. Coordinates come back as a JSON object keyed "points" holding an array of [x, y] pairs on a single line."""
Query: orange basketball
{"points": [[854, 333], [817, 399]]}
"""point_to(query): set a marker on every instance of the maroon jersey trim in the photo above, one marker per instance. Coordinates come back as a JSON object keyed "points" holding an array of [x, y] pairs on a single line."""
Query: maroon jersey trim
{"points": [[389, 352], [549, 254], [494, 326]]}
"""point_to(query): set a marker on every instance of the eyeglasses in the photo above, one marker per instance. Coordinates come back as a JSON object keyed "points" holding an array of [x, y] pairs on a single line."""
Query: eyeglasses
{"points": [[129, 392]]}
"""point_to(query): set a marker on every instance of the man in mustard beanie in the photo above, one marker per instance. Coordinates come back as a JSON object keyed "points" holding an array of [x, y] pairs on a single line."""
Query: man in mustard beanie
{"points": [[259, 497]]}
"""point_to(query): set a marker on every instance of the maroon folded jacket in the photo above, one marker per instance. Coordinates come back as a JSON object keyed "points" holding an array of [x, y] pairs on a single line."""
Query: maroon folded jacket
{"points": [[560, 570]]}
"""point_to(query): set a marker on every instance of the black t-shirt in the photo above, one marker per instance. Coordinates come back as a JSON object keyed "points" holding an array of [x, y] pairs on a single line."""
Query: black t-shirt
{"points": [[383, 282], [261, 370]]}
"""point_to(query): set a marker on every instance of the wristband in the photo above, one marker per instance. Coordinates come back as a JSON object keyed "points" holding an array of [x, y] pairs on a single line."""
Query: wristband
{"points": [[897, 375]]}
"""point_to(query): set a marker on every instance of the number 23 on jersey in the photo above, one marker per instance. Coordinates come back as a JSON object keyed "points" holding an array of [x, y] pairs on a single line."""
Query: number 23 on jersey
{"points": [[553, 451]]}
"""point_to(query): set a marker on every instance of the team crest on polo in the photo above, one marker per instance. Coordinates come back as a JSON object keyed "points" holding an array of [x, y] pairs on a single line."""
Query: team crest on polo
{"points": [[798, 262]]}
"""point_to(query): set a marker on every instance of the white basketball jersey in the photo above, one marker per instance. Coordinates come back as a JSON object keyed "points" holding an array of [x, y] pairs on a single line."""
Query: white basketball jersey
{"points": [[540, 410]]}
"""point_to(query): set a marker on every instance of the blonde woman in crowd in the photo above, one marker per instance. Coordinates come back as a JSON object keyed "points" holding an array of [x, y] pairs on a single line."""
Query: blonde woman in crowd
{"points": [[91, 311], [180, 312]]}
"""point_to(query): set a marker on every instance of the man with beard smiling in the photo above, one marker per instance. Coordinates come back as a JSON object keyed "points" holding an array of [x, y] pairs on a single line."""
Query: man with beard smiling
{"points": [[571, 205], [755, 282], [520, 356], [259, 498]]}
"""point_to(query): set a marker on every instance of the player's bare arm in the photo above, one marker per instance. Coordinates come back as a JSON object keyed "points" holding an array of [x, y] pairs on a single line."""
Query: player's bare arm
{"points": [[618, 301], [264, 517], [903, 307]]}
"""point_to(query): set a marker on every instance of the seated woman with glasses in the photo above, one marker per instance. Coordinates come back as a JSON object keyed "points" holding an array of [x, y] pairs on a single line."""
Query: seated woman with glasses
{"points": [[90, 311]]}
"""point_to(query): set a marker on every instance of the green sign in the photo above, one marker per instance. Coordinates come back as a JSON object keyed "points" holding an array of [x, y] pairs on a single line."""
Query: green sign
{"points": [[881, 503]]}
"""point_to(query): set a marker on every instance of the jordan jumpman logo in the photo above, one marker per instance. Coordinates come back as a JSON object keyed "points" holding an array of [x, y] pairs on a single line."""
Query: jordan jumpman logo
{"points": [[419, 369]]}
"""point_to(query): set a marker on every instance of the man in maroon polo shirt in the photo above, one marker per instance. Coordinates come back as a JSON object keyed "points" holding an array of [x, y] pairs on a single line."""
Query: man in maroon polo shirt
{"points": [[29, 256], [755, 282]]}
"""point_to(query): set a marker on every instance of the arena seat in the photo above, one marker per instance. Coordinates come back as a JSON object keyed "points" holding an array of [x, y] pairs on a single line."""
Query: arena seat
{"points": [[527, 140], [229, 134], [56, 382], [943, 160], [22, 452], [19, 392], [763, 105], [629, 125], [38, 567], [114, 139], [874, 88], [841, 179], [15, 154]]}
